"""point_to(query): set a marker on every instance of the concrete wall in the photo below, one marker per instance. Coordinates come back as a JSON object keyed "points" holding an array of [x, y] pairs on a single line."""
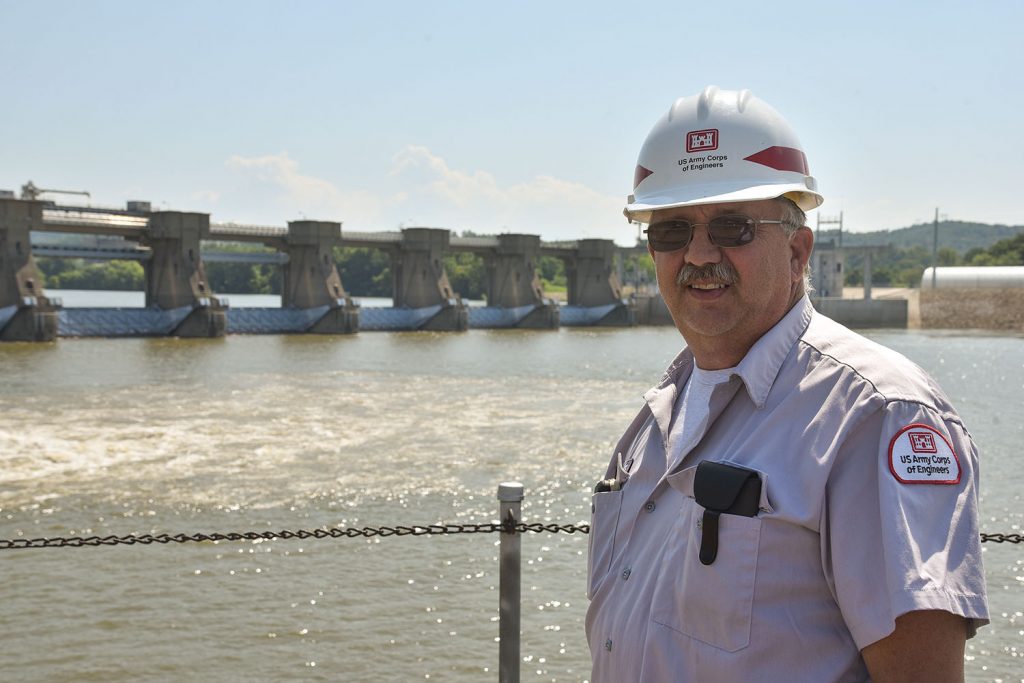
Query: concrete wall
{"points": [[417, 269], [33, 317], [310, 277], [651, 310], [862, 313], [19, 277], [984, 309], [175, 276], [890, 313], [420, 281], [512, 279], [590, 274], [827, 269]]}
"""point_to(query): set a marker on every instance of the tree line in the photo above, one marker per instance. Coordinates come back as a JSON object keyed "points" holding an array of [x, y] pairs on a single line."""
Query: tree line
{"points": [[364, 272], [903, 267], [367, 272]]}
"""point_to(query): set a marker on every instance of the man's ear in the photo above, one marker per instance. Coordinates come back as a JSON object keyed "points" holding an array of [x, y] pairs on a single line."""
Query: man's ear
{"points": [[801, 243]]}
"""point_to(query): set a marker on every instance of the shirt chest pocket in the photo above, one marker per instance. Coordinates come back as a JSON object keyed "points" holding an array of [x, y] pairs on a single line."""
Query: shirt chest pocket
{"points": [[710, 603], [604, 524]]}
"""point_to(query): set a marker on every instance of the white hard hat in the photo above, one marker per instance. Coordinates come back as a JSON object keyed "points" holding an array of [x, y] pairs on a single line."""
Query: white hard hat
{"points": [[719, 146]]}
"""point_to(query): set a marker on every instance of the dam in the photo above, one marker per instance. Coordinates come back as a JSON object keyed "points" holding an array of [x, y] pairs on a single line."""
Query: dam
{"points": [[179, 301], [174, 246]]}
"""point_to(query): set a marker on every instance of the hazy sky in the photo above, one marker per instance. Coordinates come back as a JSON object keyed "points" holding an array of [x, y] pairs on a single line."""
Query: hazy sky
{"points": [[511, 117]]}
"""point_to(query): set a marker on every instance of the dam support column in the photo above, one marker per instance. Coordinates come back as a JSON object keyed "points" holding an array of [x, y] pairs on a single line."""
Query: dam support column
{"points": [[26, 313], [175, 277], [512, 281], [311, 279], [420, 281], [592, 281]]}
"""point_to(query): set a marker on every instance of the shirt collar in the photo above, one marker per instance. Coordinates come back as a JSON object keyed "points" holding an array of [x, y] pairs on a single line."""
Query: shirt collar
{"points": [[761, 365], [757, 370]]}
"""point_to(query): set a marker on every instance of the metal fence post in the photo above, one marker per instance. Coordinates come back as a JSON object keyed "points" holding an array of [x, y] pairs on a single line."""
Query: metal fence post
{"points": [[510, 495]]}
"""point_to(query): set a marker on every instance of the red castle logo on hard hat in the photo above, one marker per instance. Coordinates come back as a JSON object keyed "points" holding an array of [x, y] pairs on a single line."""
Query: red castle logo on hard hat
{"points": [[702, 140]]}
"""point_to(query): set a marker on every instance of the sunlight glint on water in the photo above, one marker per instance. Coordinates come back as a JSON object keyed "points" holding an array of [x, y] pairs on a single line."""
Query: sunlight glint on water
{"points": [[252, 433]]}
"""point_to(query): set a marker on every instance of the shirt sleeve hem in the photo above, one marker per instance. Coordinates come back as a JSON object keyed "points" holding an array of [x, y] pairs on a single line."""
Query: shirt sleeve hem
{"points": [[973, 607]]}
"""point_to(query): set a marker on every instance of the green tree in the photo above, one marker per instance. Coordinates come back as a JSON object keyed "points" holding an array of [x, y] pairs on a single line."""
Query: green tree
{"points": [[467, 275], [971, 253], [1008, 252], [111, 275], [551, 271], [638, 270], [881, 276], [52, 268], [364, 272], [244, 278], [266, 279], [948, 256]]}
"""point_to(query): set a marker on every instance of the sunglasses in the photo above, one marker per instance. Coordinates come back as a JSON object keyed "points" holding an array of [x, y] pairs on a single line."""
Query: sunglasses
{"points": [[733, 230]]}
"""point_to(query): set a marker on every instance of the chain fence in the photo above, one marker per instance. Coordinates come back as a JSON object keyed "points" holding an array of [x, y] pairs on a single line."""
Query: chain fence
{"points": [[510, 559], [508, 526], [1002, 538]]}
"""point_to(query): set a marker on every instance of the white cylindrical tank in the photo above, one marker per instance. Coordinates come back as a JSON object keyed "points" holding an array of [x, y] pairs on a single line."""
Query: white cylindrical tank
{"points": [[973, 277]]}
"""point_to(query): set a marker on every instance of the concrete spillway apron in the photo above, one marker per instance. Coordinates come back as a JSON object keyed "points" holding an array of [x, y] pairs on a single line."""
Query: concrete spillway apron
{"points": [[273, 320], [585, 316], [396, 319], [487, 317], [121, 322]]}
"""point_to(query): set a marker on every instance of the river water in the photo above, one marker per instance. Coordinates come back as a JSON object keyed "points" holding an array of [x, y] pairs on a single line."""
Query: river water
{"points": [[134, 436]]}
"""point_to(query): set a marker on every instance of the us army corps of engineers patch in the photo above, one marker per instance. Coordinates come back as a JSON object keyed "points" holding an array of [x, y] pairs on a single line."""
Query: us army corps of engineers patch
{"points": [[920, 454]]}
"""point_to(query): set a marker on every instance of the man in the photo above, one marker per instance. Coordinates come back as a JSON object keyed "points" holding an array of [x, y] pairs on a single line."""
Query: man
{"points": [[793, 502]]}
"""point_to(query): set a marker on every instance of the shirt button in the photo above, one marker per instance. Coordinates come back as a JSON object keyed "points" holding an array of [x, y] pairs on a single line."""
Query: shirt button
{"points": [[649, 506], [626, 572], [608, 644]]}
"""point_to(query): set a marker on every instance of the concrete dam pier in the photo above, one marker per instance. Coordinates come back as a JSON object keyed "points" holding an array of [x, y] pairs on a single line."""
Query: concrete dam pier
{"points": [[179, 301]]}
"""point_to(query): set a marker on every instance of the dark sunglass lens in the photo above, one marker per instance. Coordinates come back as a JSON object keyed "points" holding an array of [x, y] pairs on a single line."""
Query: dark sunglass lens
{"points": [[669, 236], [731, 231]]}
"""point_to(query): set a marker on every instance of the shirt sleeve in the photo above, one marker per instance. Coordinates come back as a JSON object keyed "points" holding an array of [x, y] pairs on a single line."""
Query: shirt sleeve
{"points": [[900, 521]]}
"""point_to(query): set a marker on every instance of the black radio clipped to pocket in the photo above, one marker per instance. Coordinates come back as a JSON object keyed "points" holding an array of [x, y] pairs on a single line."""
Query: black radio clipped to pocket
{"points": [[721, 488]]}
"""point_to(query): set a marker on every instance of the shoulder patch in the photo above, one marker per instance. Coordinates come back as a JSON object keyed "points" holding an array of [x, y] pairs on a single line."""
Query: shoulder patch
{"points": [[920, 454]]}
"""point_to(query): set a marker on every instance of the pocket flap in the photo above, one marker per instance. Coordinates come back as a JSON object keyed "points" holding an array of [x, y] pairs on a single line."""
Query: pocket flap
{"points": [[727, 488]]}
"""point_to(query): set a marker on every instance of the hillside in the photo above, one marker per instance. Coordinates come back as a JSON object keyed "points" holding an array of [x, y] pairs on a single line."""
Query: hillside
{"points": [[957, 235], [960, 243]]}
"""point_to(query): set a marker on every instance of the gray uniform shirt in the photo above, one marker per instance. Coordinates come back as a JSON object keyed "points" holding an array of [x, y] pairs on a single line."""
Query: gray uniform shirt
{"points": [[868, 510]]}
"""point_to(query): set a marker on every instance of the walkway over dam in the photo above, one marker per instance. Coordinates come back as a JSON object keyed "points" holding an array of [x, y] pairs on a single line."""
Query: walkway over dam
{"points": [[173, 247]]}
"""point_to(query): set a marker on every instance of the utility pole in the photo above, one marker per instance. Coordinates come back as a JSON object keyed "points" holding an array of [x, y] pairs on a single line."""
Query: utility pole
{"points": [[935, 246]]}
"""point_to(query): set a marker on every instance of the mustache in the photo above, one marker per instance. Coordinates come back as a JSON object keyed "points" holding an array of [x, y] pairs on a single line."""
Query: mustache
{"points": [[717, 272]]}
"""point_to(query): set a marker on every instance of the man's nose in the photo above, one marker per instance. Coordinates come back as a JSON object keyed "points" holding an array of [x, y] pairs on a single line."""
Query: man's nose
{"points": [[701, 250]]}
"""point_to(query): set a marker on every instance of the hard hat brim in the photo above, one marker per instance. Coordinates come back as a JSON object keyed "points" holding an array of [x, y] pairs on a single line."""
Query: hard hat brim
{"points": [[639, 210]]}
